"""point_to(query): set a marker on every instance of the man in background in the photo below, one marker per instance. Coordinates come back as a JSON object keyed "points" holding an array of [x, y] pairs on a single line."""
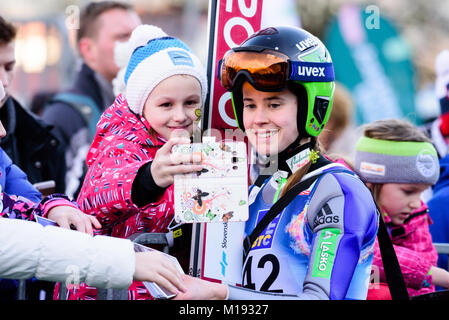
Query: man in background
{"points": [[30, 143]]}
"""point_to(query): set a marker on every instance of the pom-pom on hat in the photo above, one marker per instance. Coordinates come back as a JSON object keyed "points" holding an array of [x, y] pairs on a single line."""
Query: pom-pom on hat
{"points": [[154, 57]]}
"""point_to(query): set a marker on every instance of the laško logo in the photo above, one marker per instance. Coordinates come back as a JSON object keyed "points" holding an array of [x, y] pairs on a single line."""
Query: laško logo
{"points": [[325, 254]]}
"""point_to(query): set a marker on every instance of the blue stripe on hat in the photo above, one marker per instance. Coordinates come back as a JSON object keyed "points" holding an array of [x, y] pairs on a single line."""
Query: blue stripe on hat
{"points": [[153, 46]]}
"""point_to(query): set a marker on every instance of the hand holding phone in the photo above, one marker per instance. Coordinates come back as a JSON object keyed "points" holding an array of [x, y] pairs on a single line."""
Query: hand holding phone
{"points": [[219, 191]]}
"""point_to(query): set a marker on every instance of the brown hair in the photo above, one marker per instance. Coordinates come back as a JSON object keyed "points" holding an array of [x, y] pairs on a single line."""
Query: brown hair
{"points": [[90, 14], [7, 31], [342, 108], [394, 130]]}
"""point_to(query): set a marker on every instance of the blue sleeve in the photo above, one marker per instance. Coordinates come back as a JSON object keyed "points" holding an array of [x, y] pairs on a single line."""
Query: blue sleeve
{"points": [[16, 181], [338, 243], [343, 221]]}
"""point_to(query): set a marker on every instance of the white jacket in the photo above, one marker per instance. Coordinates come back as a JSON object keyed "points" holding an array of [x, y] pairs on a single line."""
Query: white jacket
{"points": [[27, 249]]}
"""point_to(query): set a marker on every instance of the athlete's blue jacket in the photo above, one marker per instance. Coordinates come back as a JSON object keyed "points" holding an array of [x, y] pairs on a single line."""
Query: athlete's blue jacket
{"points": [[320, 246]]}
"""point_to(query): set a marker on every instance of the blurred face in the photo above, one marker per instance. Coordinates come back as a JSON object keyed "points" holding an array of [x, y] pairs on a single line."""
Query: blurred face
{"points": [[7, 62], [269, 119], [171, 106], [400, 200], [113, 25]]}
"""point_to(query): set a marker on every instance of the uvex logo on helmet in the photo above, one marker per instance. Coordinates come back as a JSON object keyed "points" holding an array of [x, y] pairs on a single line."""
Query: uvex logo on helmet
{"points": [[311, 71], [306, 44]]}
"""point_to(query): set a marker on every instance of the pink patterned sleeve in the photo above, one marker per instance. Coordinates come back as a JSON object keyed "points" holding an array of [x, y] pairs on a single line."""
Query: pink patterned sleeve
{"points": [[106, 192], [415, 266], [56, 202], [18, 207]]}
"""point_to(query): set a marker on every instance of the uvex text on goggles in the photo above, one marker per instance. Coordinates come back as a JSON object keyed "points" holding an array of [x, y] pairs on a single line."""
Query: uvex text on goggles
{"points": [[269, 70]]}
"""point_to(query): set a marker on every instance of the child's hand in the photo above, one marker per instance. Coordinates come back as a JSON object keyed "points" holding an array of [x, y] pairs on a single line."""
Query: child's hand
{"points": [[65, 216], [440, 277], [198, 289], [155, 267], [165, 164]]}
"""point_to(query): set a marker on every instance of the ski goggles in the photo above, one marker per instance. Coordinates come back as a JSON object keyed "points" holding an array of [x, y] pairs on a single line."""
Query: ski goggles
{"points": [[270, 70]]}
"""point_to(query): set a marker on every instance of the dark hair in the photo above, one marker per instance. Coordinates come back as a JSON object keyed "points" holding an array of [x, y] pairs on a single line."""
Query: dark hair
{"points": [[89, 16], [7, 31]]}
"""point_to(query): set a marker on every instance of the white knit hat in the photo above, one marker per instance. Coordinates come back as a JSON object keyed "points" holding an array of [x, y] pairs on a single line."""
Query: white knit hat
{"points": [[153, 57]]}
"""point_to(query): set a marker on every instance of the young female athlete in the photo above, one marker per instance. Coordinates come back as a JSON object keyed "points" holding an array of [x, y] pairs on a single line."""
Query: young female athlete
{"points": [[321, 245]]}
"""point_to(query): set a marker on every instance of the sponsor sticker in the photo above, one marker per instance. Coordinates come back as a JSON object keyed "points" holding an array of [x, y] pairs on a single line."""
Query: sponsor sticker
{"points": [[325, 254], [372, 168], [265, 239], [325, 216], [306, 44], [180, 58], [298, 160], [312, 71]]}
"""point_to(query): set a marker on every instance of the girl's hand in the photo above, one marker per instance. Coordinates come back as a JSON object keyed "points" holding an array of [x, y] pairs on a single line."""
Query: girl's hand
{"points": [[198, 289], [440, 277], [165, 164], [155, 267], [65, 216]]}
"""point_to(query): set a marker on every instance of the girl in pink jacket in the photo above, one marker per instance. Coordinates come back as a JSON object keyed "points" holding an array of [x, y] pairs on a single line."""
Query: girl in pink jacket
{"points": [[398, 163], [128, 186]]}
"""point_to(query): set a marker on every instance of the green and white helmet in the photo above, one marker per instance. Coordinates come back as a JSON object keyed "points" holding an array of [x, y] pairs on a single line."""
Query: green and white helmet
{"points": [[276, 58]]}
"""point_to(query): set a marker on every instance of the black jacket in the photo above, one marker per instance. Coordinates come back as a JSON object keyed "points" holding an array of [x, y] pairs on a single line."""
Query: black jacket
{"points": [[32, 146]]}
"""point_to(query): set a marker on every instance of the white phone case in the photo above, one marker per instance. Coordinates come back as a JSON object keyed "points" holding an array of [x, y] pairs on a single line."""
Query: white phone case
{"points": [[218, 193]]}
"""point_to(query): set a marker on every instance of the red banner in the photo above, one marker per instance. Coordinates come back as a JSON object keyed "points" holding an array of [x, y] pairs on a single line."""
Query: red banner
{"points": [[216, 252], [235, 20]]}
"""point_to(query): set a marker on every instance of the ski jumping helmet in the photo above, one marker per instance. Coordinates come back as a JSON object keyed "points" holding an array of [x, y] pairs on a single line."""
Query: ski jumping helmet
{"points": [[276, 58]]}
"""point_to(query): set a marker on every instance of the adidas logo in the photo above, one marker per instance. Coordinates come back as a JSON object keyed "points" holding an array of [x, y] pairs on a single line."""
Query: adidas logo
{"points": [[325, 216]]}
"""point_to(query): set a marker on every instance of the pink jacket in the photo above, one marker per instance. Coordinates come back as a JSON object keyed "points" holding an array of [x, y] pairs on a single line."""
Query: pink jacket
{"points": [[122, 145], [416, 254]]}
